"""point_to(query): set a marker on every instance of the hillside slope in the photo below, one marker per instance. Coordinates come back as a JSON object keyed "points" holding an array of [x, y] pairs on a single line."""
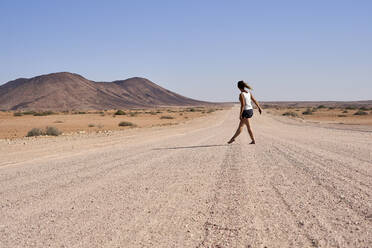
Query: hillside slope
{"points": [[67, 91]]}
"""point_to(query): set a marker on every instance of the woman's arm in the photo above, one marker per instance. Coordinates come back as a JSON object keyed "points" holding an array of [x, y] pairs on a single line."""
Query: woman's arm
{"points": [[242, 104], [258, 105]]}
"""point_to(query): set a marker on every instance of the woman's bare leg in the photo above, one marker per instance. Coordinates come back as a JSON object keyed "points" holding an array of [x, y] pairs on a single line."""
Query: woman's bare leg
{"points": [[238, 131], [246, 122]]}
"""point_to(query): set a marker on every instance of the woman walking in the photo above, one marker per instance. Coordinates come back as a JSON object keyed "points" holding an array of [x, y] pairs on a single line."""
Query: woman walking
{"points": [[246, 110]]}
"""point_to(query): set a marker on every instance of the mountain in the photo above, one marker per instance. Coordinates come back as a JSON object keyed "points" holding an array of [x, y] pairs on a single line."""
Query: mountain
{"points": [[68, 91]]}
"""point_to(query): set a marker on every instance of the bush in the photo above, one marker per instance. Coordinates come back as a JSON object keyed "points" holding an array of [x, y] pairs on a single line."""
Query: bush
{"points": [[345, 111], [17, 114], [292, 114], [210, 111], [91, 125], [342, 115], [120, 112], [28, 112], [360, 112], [166, 117], [321, 106], [52, 131], [35, 132], [350, 107], [363, 108], [126, 124], [45, 113], [192, 110], [307, 112]]}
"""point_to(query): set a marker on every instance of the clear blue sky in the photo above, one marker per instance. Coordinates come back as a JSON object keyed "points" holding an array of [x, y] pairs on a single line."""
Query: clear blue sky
{"points": [[288, 50]]}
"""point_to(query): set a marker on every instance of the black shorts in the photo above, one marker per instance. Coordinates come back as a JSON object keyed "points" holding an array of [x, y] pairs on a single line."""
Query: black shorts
{"points": [[247, 113]]}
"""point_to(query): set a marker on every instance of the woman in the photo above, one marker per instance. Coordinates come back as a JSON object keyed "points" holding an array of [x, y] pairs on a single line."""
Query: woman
{"points": [[246, 110]]}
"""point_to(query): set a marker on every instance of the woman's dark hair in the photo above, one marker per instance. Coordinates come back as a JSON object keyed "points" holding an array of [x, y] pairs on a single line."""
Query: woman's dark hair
{"points": [[242, 85]]}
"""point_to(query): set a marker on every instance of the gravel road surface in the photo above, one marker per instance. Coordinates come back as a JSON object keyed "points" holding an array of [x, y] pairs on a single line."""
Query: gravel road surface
{"points": [[182, 186]]}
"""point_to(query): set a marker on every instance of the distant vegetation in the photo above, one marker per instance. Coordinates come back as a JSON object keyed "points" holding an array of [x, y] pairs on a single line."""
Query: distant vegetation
{"points": [[360, 112], [307, 112], [120, 112], [35, 132], [166, 117], [126, 124], [350, 107], [45, 113], [51, 131], [34, 113], [290, 113]]}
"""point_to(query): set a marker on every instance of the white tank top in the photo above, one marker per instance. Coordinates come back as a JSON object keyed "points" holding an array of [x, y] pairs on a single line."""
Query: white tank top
{"points": [[247, 99]]}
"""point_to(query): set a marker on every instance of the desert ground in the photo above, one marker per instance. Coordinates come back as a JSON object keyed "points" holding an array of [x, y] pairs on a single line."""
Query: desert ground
{"points": [[330, 115], [302, 185], [16, 124]]}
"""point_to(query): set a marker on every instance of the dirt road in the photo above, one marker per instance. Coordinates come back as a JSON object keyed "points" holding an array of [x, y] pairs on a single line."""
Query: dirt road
{"points": [[300, 186]]}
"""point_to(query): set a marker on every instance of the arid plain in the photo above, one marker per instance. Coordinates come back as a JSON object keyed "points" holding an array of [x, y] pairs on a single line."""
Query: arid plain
{"points": [[17, 124], [303, 184]]}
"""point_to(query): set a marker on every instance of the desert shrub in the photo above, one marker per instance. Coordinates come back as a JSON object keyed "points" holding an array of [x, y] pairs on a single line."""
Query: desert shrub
{"points": [[307, 112], [91, 125], [166, 117], [28, 112], [132, 114], [290, 113], [120, 112], [321, 106], [53, 131], [342, 115], [45, 113], [58, 122], [35, 132], [17, 114], [211, 110], [360, 112], [350, 107], [331, 108], [363, 108], [345, 111], [126, 124], [158, 112], [191, 110]]}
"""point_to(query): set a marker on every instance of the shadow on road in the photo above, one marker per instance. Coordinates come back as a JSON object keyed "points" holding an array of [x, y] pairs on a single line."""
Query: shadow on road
{"points": [[187, 147]]}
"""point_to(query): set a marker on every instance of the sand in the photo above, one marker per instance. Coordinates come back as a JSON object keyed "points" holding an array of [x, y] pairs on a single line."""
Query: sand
{"points": [[301, 185]]}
